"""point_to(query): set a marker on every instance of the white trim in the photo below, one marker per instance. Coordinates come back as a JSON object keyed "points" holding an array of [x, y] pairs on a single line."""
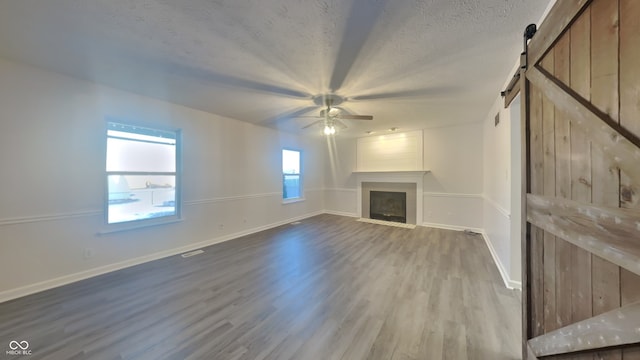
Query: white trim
{"points": [[497, 206], [510, 284], [341, 189], [89, 213], [68, 279], [451, 227], [50, 217], [340, 213], [293, 200], [314, 190], [453, 195], [231, 198]]}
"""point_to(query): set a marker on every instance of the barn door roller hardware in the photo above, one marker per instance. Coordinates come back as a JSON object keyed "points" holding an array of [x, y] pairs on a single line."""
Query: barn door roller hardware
{"points": [[529, 31], [513, 88]]}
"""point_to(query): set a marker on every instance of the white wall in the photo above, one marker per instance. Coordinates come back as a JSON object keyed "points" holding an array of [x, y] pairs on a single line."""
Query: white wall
{"points": [[52, 148], [502, 189], [340, 183], [392, 152], [452, 189]]}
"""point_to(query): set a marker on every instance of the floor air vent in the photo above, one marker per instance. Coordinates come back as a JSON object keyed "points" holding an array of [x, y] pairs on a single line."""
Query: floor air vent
{"points": [[192, 253]]}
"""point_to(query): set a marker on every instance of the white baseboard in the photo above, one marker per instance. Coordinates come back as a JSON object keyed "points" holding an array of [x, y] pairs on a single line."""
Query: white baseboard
{"points": [[452, 227], [510, 284], [497, 206], [341, 213], [68, 279]]}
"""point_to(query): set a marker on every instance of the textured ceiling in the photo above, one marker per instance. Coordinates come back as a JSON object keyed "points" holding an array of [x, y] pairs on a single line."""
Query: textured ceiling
{"points": [[409, 63]]}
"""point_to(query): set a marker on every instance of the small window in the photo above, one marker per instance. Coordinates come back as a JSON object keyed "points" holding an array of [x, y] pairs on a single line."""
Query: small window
{"points": [[291, 177], [142, 175]]}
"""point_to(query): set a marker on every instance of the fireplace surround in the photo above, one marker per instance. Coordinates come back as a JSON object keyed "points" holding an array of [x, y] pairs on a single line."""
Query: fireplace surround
{"points": [[410, 182]]}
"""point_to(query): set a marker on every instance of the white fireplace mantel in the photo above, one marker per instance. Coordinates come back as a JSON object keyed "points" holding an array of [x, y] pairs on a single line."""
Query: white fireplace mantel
{"points": [[411, 176]]}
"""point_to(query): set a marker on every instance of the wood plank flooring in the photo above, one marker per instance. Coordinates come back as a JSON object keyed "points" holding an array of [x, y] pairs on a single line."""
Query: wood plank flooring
{"points": [[327, 288]]}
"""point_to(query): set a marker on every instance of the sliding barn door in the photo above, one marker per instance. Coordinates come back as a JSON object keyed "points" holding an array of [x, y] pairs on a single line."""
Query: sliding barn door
{"points": [[581, 246]]}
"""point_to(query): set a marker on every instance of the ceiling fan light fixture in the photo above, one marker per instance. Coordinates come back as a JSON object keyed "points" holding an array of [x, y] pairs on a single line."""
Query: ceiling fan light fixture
{"points": [[331, 116]]}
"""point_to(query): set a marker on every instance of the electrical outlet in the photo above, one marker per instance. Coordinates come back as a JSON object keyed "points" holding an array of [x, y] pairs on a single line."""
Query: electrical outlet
{"points": [[88, 253]]}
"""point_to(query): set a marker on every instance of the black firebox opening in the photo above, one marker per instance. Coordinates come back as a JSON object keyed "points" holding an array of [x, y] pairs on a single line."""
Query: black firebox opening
{"points": [[388, 206]]}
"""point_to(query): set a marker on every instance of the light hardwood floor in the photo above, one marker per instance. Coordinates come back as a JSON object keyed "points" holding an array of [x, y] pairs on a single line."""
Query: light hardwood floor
{"points": [[327, 288]]}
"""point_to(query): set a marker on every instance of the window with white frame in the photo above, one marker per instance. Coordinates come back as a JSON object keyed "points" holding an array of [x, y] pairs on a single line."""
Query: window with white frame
{"points": [[291, 175], [142, 173]]}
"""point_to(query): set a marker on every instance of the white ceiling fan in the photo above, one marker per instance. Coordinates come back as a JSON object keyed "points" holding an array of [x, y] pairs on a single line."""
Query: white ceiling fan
{"points": [[331, 115]]}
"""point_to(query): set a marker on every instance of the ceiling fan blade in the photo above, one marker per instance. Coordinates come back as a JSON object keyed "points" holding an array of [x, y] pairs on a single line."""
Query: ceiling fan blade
{"points": [[236, 82], [314, 123], [354, 117], [340, 124], [415, 93], [360, 23], [287, 115]]}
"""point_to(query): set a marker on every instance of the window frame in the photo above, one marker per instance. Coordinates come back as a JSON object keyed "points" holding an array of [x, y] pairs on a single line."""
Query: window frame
{"points": [[134, 224], [300, 176]]}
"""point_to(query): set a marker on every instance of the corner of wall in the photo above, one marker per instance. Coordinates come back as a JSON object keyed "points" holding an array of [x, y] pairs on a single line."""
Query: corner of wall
{"points": [[504, 274]]}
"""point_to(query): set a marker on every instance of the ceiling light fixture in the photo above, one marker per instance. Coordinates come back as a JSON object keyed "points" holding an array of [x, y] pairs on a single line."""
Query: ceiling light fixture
{"points": [[329, 130]]}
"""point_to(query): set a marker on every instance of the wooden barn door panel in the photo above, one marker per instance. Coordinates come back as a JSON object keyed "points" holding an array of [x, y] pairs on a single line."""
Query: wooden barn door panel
{"points": [[582, 243], [630, 120], [580, 164]]}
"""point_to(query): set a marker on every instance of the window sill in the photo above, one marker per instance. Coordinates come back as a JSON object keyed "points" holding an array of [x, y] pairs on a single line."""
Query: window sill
{"points": [[293, 200], [116, 228]]}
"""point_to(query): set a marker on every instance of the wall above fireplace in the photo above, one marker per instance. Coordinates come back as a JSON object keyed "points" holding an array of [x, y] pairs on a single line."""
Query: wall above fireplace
{"points": [[390, 152]]}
